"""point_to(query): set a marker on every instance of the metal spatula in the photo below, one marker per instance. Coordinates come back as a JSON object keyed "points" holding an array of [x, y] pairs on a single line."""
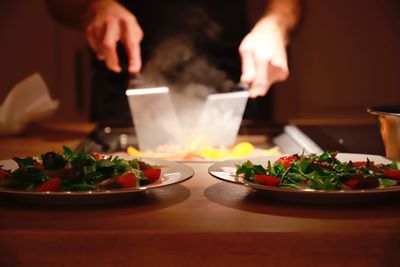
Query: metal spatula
{"points": [[222, 114], [154, 117]]}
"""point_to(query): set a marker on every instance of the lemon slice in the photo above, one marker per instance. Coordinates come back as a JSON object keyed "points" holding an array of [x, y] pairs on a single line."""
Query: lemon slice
{"points": [[242, 149], [213, 153], [132, 151]]}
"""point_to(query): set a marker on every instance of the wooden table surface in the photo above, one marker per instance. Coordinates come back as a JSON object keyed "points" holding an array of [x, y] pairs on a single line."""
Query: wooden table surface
{"points": [[200, 222]]}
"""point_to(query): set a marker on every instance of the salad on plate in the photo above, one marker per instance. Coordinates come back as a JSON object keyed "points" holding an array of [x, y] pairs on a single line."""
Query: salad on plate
{"points": [[320, 172], [81, 171]]}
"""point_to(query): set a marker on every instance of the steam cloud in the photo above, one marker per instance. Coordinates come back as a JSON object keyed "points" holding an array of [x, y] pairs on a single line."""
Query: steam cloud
{"points": [[177, 64]]}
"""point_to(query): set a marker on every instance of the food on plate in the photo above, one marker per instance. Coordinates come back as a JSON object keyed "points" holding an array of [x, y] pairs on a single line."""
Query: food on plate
{"points": [[240, 150], [320, 172], [79, 171]]}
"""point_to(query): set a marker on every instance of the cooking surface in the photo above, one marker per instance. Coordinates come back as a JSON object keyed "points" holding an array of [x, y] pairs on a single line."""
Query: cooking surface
{"points": [[364, 139], [118, 138]]}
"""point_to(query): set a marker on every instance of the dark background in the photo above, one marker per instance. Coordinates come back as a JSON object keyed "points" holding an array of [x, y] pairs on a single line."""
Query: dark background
{"points": [[344, 57]]}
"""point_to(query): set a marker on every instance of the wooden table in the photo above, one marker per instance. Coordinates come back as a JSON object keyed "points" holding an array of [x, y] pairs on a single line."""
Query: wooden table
{"points": [[42, 137], [200, 222]]}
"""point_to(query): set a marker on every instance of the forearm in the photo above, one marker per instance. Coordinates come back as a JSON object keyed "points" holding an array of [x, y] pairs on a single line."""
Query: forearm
{"points": [[287, 12], [284, 13]]}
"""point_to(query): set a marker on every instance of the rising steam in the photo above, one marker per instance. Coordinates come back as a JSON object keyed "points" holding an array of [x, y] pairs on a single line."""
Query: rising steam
{"points": [[178, 64]]}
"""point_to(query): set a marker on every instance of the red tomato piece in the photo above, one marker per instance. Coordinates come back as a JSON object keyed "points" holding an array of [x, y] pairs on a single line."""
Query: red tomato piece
{"points": [[38, 165], [267, 179], [126, 180], [3, 174], [352, 182], [359, 164], [287, 160], [152, 174], [98, 156], [51, 185], [394, 174]]}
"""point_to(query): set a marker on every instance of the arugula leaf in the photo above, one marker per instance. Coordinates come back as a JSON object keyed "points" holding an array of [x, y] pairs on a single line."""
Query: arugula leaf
{"points": [[25, 178], [383, 183], [394, 165], [25, 162], [53, 161], [276, 169], [135, 164], [68, 152], [326, 156], [248, 169]]}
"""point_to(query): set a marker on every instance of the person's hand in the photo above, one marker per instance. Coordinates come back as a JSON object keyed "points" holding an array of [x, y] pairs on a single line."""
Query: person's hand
{"points": [[263, 56], [108, 22]]}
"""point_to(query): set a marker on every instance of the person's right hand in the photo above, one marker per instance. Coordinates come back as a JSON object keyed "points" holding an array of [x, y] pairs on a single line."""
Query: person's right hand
{"points": [[108, 22], [263, 55]]}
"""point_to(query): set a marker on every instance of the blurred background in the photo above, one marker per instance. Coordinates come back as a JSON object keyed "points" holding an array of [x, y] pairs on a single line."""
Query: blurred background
{"points": [[344, 57]]}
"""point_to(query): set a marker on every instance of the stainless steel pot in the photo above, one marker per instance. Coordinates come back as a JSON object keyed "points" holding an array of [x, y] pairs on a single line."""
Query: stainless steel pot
{"points": [[389, 124]]}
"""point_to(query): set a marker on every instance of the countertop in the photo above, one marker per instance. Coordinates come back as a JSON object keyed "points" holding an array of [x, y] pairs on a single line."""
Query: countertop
{"points": [[200, 222]]}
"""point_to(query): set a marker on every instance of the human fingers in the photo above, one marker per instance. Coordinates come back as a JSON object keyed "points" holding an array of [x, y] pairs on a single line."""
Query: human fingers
{"points": [[132, 36], [94, 37], [248, 64], [248, 67], [260, 84], [277, 67], [277, 73], [109, 45]]}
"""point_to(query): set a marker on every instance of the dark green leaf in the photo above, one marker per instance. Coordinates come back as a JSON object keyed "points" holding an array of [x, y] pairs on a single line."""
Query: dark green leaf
{"points": [[53, 161], [25, 162]]}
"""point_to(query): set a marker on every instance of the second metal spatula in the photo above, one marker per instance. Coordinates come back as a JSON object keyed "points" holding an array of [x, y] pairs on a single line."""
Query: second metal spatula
{"points": [[222, 114]]}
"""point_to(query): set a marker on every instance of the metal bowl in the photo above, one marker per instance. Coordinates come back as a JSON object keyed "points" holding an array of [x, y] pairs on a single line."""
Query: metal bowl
{"points": [[389, 125]]}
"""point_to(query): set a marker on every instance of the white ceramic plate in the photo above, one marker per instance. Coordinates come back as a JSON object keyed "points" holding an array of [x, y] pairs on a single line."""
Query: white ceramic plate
{"points": [[225, 170], [171, 173]]}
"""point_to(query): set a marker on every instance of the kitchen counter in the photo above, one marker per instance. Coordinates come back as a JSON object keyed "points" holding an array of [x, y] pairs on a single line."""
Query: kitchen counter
{"points": [[200, 222]]}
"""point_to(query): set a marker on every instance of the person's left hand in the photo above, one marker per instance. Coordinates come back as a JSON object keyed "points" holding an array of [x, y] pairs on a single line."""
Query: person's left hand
{"points": [[263, 55]]}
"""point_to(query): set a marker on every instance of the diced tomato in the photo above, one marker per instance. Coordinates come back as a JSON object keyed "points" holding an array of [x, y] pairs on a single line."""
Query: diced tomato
{"points": [[152, 174], [3, 174], [51, 185], [267, 179], [38, 165], [126, 180], [98, 156], [287, 160], [359, 164], [352, 183], [394, 174]]}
